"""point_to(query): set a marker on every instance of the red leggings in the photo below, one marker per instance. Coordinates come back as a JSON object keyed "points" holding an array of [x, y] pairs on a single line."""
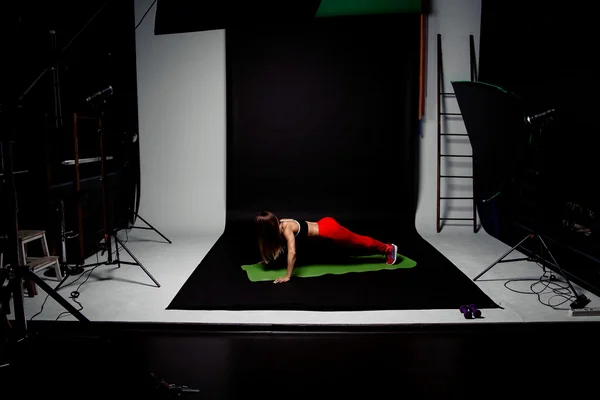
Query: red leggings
{"points": [[329, 228]]}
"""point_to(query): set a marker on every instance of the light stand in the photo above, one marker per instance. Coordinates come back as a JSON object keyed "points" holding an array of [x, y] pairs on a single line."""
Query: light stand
{"points": [[496, 126], [580, 299], [149, 227], [98, 100]]}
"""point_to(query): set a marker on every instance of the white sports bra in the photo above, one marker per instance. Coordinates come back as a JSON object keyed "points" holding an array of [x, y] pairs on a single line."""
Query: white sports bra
{"points": [[299, 226]]}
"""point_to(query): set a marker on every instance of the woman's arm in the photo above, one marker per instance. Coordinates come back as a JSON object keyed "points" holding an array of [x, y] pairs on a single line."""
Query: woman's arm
{"points": [[288, 233]]}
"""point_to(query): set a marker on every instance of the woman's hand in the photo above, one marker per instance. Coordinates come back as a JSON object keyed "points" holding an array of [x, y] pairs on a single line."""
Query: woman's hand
{"points": [[282, 279]]}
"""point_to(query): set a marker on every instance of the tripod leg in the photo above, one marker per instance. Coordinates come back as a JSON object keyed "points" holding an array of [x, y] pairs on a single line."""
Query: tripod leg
{"points": [[117, 252], [19, 306], [62, 282], [502, 257], [153, 228], [119, 242]]}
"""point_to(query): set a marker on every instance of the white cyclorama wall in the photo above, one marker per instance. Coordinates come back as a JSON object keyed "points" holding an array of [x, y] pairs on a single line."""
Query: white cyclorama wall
{"points": [[182, 119], [182, 114], [455, 20]]}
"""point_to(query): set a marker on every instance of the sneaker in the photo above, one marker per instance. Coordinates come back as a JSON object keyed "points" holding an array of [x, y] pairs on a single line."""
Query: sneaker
{"points": [[390, 257]]}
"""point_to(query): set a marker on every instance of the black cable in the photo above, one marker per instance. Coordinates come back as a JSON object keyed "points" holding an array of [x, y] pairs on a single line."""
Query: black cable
{"points": [[558, 292], [538, 294], [41, 309], [48, 295], [75, 293], [550, 284], [144, 16]]}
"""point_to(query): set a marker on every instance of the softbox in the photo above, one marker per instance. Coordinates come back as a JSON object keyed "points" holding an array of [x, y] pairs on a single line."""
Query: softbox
{"points": [[495, 122]]}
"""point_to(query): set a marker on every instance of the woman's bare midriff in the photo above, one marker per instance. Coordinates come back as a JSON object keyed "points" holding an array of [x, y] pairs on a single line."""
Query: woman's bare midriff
{"points": [[313, 227]]}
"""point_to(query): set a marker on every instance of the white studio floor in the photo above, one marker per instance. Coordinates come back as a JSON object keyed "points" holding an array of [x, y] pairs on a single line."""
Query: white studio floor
{"points": [[127, 294]]}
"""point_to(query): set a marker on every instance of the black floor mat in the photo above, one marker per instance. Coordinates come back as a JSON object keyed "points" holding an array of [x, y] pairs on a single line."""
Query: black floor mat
{"points": [[219, 283], [321, 121]]}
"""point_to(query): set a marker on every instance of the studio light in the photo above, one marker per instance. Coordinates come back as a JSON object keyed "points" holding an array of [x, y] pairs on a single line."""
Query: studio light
{"points": [[498, 133]]}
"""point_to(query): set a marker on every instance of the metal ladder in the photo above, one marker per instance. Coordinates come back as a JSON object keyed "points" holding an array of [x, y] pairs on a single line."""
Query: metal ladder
{"points": [[440, 156]]}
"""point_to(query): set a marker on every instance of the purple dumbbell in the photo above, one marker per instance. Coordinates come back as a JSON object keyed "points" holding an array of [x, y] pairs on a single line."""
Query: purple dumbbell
{"points": [[466, 311], [475, 311], [470, 311]]}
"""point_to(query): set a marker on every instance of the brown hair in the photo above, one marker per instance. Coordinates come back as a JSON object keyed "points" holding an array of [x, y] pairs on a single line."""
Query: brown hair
{"points": [[270, 241]]}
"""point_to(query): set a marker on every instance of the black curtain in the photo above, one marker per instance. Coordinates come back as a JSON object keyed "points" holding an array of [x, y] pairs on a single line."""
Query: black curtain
{"points": [[320, 116], [322, 122]]}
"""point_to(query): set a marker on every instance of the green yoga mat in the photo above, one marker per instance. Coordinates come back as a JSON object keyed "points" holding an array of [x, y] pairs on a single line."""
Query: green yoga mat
{"points": [[259, 272]]}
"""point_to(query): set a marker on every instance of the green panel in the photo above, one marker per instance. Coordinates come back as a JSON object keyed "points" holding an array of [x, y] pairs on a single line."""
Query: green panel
{"points": [[333, 8], [259, 272]]}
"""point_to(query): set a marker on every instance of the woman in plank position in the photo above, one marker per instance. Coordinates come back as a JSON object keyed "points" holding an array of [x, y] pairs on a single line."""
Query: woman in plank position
{"points": [[276, 236]]}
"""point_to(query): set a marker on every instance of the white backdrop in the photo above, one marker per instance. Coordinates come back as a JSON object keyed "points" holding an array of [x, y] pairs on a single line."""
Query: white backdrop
{"points": [[182, 114], [455, 20], [181, 106]]}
